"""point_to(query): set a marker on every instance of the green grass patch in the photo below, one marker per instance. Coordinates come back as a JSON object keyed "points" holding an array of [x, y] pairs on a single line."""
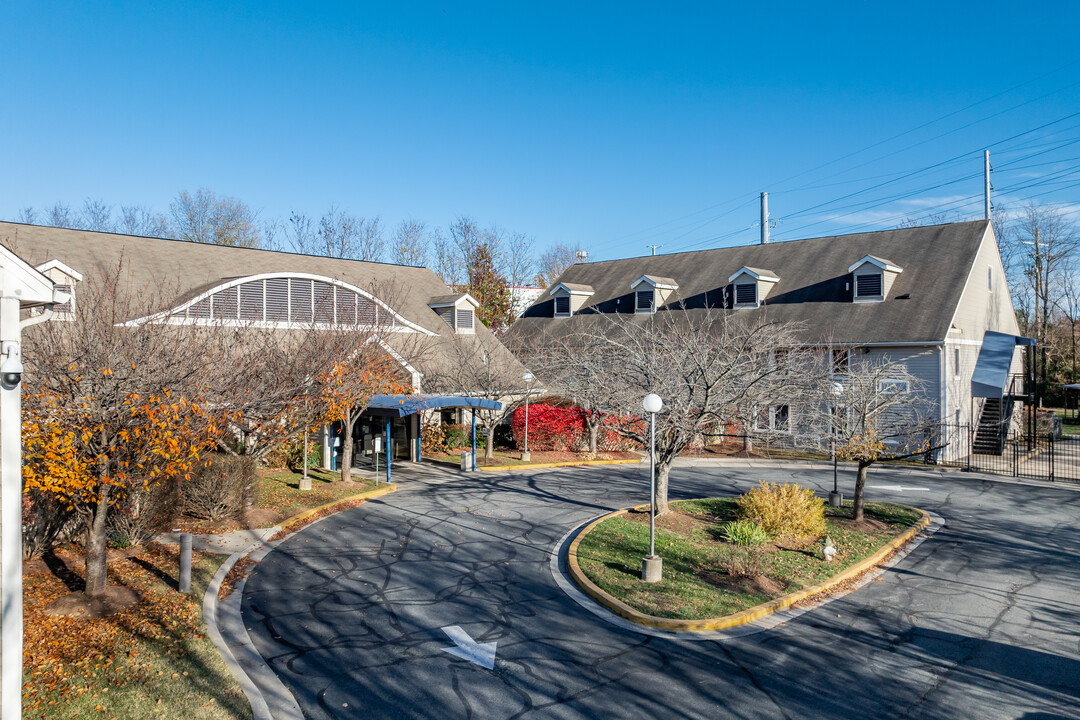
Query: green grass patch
{"points": [[280, 490], [691, 543]]}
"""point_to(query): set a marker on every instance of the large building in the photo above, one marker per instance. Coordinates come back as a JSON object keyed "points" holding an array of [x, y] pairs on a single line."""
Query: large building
{"points": [[925, 297], [201, 284]]}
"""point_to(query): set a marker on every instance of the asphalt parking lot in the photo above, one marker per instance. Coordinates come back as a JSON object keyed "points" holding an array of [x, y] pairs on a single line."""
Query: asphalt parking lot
{"points": [[354, 614]]}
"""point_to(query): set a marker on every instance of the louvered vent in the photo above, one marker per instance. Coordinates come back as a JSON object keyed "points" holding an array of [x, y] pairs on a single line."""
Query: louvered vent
{"points": [[645, 300], [868, 285], [746, 294], [277, 299], [251, 301], [67, 308], [200, 310], [464, 320], [447, 314], [299, 300], [224, 304], [562, 305], [324, 302]]}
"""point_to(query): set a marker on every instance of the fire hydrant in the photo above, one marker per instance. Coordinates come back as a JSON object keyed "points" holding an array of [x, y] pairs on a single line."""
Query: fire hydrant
{"points": [[828, 549]]}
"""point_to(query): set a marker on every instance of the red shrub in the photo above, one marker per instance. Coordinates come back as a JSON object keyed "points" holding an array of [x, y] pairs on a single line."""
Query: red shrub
{"points": [[550, 427]]}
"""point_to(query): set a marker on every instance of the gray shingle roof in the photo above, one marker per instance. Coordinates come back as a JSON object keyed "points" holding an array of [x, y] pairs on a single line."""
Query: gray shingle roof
{"points": [[574, 287], [187, 269], [813, 273]]}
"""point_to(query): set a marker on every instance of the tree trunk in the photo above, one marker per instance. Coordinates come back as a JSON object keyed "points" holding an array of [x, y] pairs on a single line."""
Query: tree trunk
{"points": [[594, 430], [97, 577], [662, 470], [860, 484], [346, 448], [489, 451]]}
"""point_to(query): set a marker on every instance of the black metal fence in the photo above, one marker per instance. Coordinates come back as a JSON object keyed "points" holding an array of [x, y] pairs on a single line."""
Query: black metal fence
{"points": [[1040, 456]]}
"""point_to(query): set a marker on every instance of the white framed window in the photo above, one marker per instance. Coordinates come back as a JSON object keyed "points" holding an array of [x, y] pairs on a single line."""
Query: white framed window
{"points": [[775, 418], [956, 361], [562, 306], [868, 286], [841, 361], [780, 359], [893, 386], [645, 301]]}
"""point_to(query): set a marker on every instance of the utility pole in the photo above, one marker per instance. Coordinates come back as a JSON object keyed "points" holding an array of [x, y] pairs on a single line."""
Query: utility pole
{"points": [[653, 248], [764, 218], [986, 183]]}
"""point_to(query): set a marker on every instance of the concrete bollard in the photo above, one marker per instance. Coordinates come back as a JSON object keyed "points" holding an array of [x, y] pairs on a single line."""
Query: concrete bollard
{"points": [[185, 562]]}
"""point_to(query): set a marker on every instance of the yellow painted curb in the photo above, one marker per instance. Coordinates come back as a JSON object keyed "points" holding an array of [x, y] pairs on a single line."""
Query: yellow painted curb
{"points": [[742, 617], [366, 495], [568, 463]]}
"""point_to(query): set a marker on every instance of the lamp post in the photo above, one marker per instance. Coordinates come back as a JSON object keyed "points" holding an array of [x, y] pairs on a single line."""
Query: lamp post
{"points": [[652, 566], [528, 378], [835, 498]]}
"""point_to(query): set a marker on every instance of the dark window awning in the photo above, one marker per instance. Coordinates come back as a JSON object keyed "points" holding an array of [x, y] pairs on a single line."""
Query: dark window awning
{"points": [[991, 376], [402, 405]]}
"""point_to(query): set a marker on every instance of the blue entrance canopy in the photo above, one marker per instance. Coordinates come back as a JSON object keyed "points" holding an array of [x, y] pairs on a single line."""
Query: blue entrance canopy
{"points": [[403, 405], [991, 374]]}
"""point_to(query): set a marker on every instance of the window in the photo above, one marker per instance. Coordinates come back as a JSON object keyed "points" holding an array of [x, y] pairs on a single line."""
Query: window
{"points": [[840, 359], [562, 305], [746, 294], [464, 319], [776, 418], [66, 310], [868, 285], [956, 361], [892, 386], [645, 301], [989, 279], [780, 361]]}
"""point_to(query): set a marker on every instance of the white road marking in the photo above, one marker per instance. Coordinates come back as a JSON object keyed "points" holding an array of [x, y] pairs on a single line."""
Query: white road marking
{"points": [[899, 488], [483, 654]]}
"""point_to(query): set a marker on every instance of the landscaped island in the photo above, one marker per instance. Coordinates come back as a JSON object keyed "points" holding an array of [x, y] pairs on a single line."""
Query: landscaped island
{"points": [[717, 562]]}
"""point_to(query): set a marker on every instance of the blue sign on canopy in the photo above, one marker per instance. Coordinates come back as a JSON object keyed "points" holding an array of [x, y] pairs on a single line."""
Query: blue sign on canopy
{"points": [[403, 405]]}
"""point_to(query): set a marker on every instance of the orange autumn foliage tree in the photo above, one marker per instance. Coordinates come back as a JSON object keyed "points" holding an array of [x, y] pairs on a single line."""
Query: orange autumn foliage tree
{"points": [[111, 406], [344, 391]]}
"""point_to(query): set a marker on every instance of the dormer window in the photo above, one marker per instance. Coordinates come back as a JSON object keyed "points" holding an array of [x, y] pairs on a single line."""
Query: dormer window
{"points": [[569, 298], [651, 291], [457, 310], [64, 278], [752, 286], [873, 277]]}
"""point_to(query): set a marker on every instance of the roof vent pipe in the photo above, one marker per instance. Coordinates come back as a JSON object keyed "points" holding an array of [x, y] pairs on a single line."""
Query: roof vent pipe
{"points": [[764, 218]]}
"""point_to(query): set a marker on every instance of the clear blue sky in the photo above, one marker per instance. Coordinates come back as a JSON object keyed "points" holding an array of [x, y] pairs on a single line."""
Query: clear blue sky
{"points": [[609, 125]]}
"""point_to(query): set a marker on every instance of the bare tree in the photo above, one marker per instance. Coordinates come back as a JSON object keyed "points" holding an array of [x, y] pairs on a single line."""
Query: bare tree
{"points": [[472, 370], [27, 214], [875, 411], [410, 243], [96, 216], [704, 364], [207, 218], [449, 264], [554, 262], [60, 215], [1042, 247], [142, 221], [336, 234]]}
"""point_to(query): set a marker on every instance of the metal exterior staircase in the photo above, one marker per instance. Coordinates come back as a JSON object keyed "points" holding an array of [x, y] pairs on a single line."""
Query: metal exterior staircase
{"points": [[994, 420]]}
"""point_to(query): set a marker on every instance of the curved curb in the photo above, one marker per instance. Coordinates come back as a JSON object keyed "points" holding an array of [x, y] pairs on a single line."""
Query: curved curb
{"points": [[366, 495], [568, 463], [743, 616], [225, 626]]}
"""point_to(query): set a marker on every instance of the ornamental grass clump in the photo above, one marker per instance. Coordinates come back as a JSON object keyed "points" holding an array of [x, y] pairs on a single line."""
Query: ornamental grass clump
{"points": [[784, 510], [745, 533]]}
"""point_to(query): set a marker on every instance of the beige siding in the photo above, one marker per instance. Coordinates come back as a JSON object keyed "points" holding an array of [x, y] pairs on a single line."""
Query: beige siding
{"points": [[922, 362], [981, 309]]}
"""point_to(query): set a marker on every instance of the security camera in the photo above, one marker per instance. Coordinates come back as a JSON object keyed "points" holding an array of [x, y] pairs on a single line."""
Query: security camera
{"points": [[11, 369]]}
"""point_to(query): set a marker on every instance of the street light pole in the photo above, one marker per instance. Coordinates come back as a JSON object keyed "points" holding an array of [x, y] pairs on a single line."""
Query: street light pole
{"points": [[652, 566], [528, 378]]}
